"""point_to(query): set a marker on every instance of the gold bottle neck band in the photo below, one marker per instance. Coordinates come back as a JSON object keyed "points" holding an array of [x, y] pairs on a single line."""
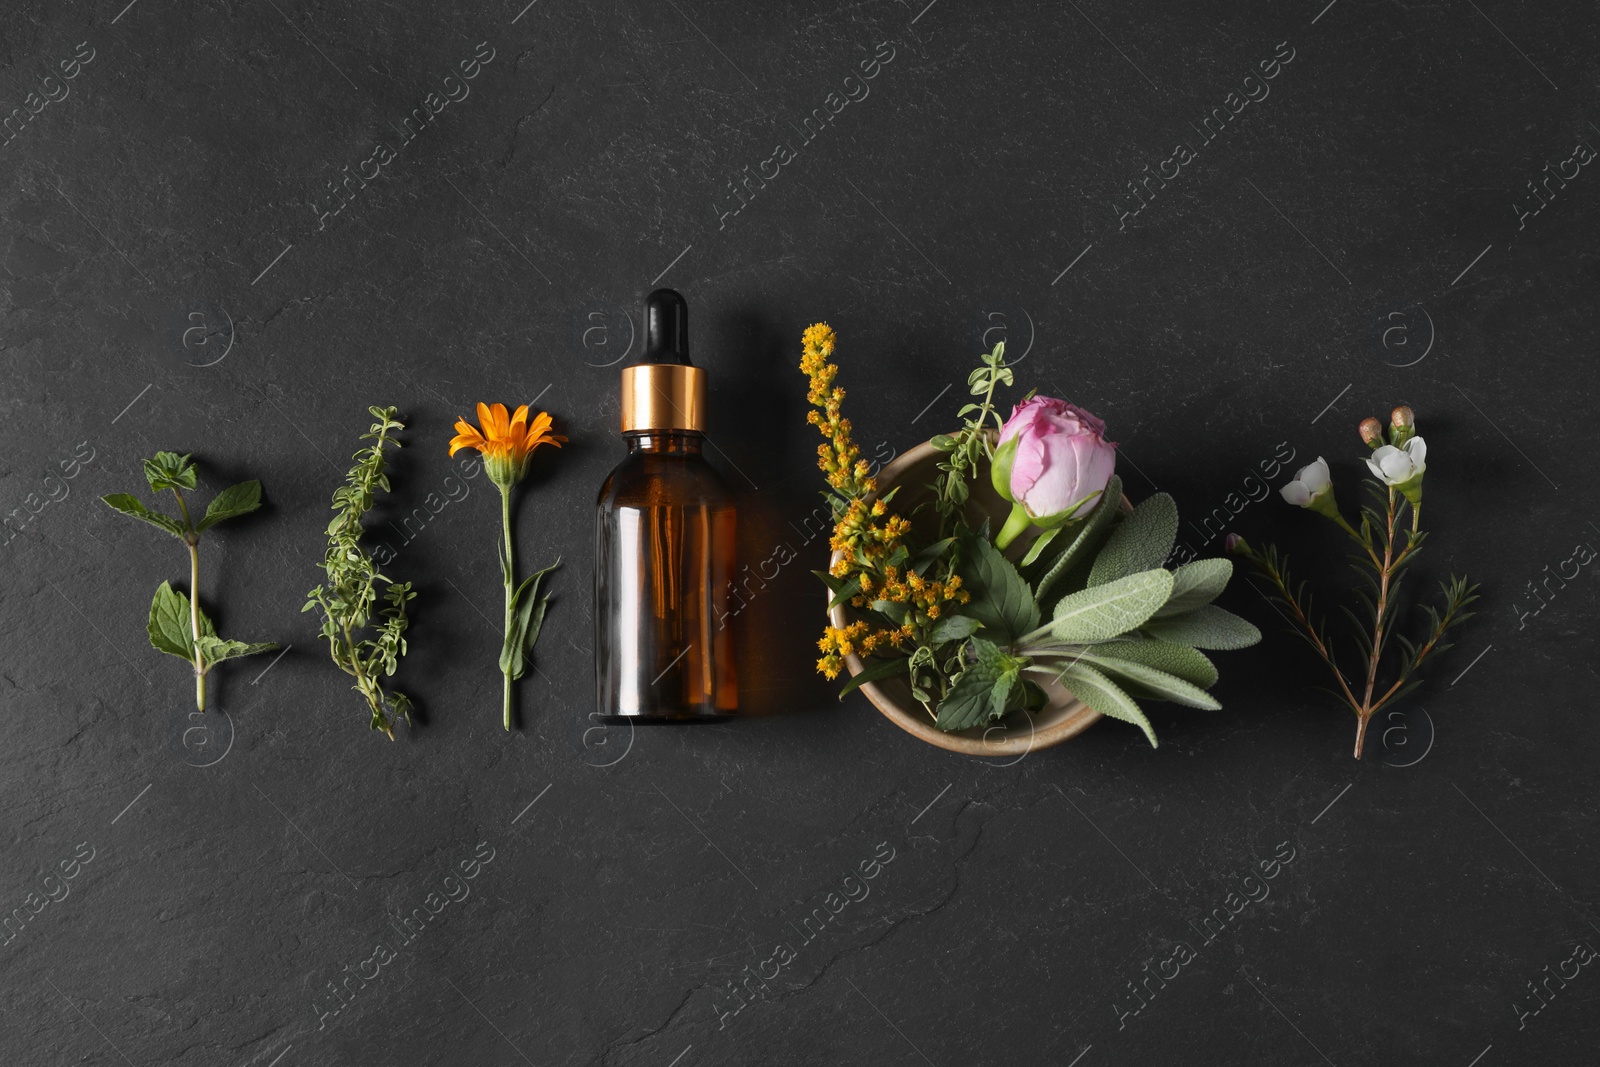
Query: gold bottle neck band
{"points": [[663, 396]]}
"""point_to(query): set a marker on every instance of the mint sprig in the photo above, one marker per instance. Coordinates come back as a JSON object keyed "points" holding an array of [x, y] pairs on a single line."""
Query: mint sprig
{"points": [[176, 625]]}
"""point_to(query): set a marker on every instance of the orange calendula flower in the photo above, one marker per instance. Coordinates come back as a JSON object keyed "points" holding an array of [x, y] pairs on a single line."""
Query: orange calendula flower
{"points": [[506, 440]]}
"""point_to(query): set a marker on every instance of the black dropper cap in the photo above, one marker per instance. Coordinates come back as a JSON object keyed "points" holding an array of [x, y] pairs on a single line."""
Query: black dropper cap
{"points": [[666, 328]]}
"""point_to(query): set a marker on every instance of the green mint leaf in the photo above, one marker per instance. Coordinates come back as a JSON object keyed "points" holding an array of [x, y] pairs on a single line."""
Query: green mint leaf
{"points": [[1090, 537], [1001, 600], [1159, 683], [169, 624], [1179, 660], [168, 470], [1140, 542], [233, 501], [1104, 696], [1196, 585], [132, 506], [1102, 612], [1205, 627], [970, 699]]}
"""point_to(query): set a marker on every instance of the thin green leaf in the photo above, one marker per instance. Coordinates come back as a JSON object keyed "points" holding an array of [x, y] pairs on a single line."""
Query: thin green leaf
{"points": [[1180, 660], [1040, 543], [952, 628], [1165, 686], [872, 672], [1104, 696], [1090, 537]]}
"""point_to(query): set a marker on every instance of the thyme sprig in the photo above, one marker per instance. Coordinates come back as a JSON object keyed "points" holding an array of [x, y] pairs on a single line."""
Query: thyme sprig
{"points": [[351, 593]]}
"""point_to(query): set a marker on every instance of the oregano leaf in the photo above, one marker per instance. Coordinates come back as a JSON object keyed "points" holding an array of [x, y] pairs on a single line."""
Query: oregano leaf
{"points": [[168, 470]]}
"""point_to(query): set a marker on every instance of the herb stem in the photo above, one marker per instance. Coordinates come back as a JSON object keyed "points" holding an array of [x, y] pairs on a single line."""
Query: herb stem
{"points": [[192, 540], [1385, 574]]}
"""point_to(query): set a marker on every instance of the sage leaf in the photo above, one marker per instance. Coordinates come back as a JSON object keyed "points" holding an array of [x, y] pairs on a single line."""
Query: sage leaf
{"points": [[1142, 540], [1090, 537], [168, 470], [1163, 685], [1104, 696], [233, 501], [1001, 600], [1205, 627], [1196, 584], [1102, 612], [1179, 660], [131, 505]]}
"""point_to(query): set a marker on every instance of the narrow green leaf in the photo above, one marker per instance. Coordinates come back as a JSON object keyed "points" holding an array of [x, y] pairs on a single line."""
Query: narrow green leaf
{"points": [[1090, 537], [1103, 695], [132, 506], [1165, 686], [233, 501], [1196, 584], [1206, 627], [1000, 695], [1040, 543], [872, 672], [1140, 542], [1179, 660], [1102, 612]]}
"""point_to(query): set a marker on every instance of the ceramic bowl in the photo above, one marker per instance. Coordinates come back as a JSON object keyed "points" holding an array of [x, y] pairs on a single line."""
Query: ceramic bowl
{"points": [[1019, 733]]}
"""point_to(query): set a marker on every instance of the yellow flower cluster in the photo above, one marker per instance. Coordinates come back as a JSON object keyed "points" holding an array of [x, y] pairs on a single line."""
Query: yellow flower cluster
{"points": [[865, 533]]}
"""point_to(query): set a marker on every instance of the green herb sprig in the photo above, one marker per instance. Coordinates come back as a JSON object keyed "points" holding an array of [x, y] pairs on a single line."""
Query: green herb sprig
{"points": [[176, 625], [350, 595]]}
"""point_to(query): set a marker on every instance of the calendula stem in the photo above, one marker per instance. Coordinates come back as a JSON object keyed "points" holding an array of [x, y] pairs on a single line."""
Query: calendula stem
{"points": [[510, 576]]}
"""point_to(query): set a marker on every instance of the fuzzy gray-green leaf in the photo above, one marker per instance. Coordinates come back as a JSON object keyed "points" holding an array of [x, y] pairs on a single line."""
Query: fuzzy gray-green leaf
{"points": [[1102, 612], [1196, 585], [1104, 696], [1141, 541], [1165, 686], [1206, 627], [1180, 660]]}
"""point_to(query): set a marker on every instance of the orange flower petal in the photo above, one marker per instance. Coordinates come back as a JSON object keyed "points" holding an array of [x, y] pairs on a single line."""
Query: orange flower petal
{"points": [[472, 440], [502, 422]]}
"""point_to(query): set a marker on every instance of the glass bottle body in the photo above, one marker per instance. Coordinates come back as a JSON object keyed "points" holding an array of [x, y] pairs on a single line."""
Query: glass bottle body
{"points": [[664, 565]]}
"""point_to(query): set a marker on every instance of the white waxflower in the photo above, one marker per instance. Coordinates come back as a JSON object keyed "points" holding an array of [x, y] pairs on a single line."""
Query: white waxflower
{"points": [[1399, 466], [1310, 484]]}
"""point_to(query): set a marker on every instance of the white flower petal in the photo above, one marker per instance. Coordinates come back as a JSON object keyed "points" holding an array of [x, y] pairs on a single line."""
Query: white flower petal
{"points": [[1315, 476], [1296, 493]]}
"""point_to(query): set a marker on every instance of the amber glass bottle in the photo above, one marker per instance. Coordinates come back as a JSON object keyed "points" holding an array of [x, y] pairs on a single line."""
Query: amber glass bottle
{"points": [[664, 545]]}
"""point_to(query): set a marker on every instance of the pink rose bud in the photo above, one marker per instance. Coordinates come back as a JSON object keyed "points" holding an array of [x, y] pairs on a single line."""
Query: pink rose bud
{"points": [[1052, 462]]}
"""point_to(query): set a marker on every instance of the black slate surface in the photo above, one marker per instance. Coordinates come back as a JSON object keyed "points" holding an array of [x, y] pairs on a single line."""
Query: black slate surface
{"points": [[176, 275]]}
